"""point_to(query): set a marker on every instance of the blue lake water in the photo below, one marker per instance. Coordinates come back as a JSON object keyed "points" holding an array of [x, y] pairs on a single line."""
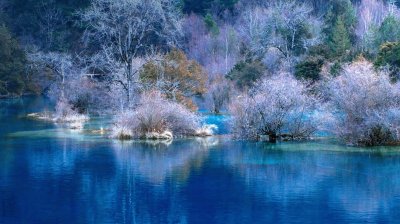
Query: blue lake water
{"points": [[49, 174]]}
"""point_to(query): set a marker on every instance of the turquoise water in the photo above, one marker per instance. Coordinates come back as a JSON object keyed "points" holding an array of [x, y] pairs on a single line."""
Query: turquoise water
{"points": [[49, 174]]}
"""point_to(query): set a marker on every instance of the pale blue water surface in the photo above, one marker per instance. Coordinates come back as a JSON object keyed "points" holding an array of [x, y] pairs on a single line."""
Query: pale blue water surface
{"points": [[49, 174]]}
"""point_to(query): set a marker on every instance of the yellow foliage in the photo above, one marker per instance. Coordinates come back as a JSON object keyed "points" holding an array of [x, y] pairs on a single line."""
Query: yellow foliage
{"points": [[176, 76]]}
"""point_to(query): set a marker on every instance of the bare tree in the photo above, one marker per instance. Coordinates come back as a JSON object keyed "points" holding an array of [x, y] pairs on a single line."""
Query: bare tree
{"points": [[50, 19], [129, 29], [365, 106], [219, 94], [59, 64], [216, 52], [285, 25], [371, 14], [279, 107]]}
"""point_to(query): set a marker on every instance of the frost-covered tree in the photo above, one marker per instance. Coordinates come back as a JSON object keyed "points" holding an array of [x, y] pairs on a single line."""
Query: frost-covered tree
{"points": [[218, 94], [60, 67], [371, 14], [365, 105], [287, 26], [52, 26], [64, 81], [156, 117], [218, 52], [129, 29], [279, 107]]}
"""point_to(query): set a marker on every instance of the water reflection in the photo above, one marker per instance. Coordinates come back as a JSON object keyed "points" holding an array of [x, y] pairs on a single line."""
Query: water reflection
{"points": [[188, 180], [358, 186], [157, 161], [51, 175]]}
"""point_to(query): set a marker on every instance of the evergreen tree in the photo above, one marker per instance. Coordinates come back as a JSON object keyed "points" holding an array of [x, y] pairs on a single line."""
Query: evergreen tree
{"points": [[12, 62], [246, 73], [196, 6], [309, 69], [343, 8], [340, 23], [211, 24], [389, 31], [203, 6], [339, 41], [49, 24]]}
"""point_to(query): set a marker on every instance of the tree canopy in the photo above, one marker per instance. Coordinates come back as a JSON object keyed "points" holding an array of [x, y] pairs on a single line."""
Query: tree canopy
{"points": [[12, 64]]}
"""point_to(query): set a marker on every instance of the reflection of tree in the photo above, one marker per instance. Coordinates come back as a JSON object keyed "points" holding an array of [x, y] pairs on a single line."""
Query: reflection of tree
{"points": [[7, 158], [185, 181], [14, 108], [156, 163], [83, 181], [371, 187], [280, 173], [362, 185]]}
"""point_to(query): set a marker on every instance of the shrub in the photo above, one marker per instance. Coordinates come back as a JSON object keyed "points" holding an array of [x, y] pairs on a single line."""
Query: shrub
{"points": [[154, 116], [65, 113], [365, 105], [280, 106]]}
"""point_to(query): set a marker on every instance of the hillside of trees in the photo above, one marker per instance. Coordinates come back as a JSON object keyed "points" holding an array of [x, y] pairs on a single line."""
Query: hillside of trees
{"points": [[283, 69]]}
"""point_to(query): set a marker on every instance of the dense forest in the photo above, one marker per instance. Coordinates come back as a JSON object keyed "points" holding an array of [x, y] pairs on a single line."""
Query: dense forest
{"points": [[283, 69]]}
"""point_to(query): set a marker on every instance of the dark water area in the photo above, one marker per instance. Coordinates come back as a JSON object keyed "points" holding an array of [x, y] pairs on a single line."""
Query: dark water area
{"points": [[49, 174]]}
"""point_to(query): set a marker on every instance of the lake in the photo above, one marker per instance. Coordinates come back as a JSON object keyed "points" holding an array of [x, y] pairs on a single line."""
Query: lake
{"points": [[49, 174]]}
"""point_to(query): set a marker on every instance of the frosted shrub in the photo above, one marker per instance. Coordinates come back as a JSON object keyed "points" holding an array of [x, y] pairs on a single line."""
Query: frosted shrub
{"points": [[122, 128], [65, 113], [218, 94], [206, 130], [365, 105], [280, 107], [156, 118]]}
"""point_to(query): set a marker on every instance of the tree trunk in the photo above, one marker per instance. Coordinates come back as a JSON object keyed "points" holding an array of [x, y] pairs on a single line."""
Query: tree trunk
{"points": [[129, 83], [272, 137]]}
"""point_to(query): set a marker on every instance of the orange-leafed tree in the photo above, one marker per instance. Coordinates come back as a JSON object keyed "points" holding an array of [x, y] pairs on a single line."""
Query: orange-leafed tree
{"points": [[175, 76]]}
